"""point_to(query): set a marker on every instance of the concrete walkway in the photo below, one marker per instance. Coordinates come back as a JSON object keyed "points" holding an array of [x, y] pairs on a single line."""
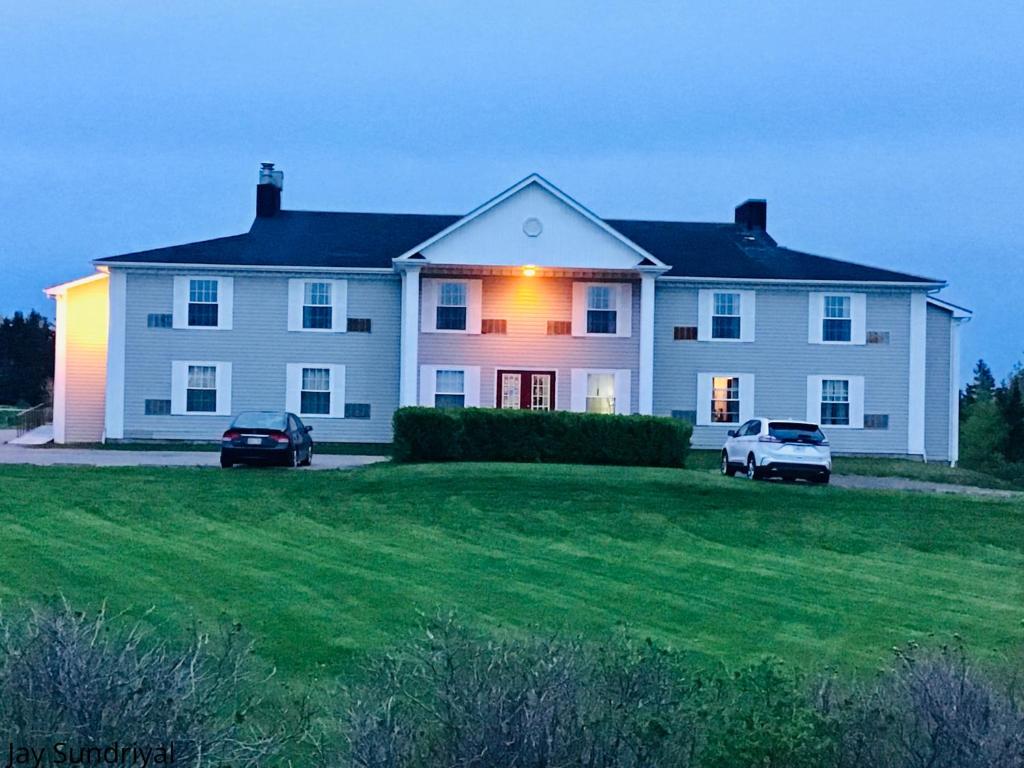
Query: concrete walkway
{"points": [[45, 457]]}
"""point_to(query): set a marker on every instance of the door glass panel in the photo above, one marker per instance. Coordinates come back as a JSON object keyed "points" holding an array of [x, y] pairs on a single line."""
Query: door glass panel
{"points": [[510, 390], [540, 392]]}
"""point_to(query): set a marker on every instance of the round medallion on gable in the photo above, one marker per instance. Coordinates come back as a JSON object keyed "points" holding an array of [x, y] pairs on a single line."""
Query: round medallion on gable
{"points": [[532, 227]]}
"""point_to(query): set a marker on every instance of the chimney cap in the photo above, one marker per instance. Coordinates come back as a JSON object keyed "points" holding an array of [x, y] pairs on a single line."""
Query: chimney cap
{"points": [[269, 176]]}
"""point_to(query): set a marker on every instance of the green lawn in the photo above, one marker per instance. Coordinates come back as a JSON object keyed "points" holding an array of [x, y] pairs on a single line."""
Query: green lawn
{"points": [[325, 566]]}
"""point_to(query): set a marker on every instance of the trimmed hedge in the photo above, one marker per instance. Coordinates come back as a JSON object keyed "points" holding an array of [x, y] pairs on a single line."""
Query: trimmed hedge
{"points": [[491, 434]]}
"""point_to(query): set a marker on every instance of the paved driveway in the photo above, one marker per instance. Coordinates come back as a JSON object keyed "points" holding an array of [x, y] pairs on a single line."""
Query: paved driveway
{"points": [[14, 454]]}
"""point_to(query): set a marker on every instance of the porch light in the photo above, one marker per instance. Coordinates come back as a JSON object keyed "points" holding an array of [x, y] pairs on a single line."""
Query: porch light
{"points": [[529, 270]]}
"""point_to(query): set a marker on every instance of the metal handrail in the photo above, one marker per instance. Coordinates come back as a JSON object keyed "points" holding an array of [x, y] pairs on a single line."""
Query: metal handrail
{"points": [[33, 417]]}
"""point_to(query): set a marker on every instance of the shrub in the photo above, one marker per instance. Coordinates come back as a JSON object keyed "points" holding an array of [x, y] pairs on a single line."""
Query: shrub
{"points": [[91, 681], [484, 434]]}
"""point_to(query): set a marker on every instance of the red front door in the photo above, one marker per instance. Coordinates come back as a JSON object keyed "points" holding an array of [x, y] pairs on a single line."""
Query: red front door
{"points": [[529, 390]]}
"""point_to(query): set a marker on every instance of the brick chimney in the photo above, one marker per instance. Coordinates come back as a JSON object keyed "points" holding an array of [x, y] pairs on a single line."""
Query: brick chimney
{"points": [[752, 215], [268, 191]]}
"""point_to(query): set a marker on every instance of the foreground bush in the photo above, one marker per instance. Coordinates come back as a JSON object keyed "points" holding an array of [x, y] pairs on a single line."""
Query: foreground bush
{"points": [[88, 681], [486, 434]]}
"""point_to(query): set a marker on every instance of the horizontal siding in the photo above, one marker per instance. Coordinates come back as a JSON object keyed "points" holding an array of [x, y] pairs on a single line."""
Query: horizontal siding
{"points": [[86, 371], [937, 385], [527, 304], [781, 359], [259, 348]]}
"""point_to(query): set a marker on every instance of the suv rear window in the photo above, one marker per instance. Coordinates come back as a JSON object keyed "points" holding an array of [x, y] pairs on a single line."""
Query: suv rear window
{"points": [[796, 432]]}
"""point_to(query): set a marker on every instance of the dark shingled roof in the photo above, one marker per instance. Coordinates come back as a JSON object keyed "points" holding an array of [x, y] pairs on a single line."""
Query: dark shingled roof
{"points": [[322, 239]]}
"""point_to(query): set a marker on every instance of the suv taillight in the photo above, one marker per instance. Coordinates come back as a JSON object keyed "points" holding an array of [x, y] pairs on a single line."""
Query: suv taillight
{"points": [[768, 439]]}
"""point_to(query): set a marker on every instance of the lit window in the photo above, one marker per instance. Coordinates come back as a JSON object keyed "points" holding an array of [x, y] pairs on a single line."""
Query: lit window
{"points": [[601, 313], [450, 389], [201, 389], [317, 311], [725, 320], [725, 400], [835, 402], [451, 307], [202, 303], [600, 393], [315, 395], [837, 322]]}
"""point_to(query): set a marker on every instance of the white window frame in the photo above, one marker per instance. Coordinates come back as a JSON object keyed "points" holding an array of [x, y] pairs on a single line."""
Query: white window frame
{"points": [[705, 388], [297, 300], [179, 387], [816, 317], [430, 290], [623, 388], [706, 313], [293, 390], [471, 382], [623, 296], [855, 391], [225, 302]]}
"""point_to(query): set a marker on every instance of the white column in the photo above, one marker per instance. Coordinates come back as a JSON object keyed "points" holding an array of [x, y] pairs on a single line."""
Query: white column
{"points": [[407, 391], [916, 373], [954, 390], [60, 369], [646, 391], [113, 426]]}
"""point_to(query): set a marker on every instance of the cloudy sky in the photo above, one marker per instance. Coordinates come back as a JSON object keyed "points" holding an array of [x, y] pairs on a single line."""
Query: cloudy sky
{"points": [[890, 133]]}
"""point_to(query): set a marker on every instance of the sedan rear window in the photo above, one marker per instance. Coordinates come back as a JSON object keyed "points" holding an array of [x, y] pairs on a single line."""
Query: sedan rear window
{"points": [[260, 420], [796, 432]]}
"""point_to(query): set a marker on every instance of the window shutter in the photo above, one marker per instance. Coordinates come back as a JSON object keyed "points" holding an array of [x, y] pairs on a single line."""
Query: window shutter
{"points": [[578, 394], [814, 399], [338, 390], [179, 382], [858, 319], [296, 295], [747, 314], [428, 309], [624, 321], [704, 399], [623, 392], [293, 387], [705, 305], [428, 375], [223, 388], [225, 304], [815, 302], [746, 397], [474, 305], [339, 309], [579, 311], [856, 401], [180, 319], [472, 383]]}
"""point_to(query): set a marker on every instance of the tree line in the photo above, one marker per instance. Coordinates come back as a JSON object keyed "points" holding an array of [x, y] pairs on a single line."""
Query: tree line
{"points": [[992, 423], [26, 359]]}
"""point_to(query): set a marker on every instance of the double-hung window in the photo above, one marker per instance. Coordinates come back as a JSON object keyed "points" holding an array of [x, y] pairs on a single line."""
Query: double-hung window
{"points": [[315, 394], [600, 393], [725, 400], [837, 319], [835, 402], [201, 389], [725, 318], [450, 388], [452, 306], [317, 310], [601, 309], [202, 303]]}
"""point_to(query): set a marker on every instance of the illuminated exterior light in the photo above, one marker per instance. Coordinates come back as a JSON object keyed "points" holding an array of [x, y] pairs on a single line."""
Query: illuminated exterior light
{"points": [[529, 270]]}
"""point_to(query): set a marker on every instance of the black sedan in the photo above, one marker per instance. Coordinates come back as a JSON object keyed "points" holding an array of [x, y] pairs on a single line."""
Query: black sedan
{"points": [[267, 437]]}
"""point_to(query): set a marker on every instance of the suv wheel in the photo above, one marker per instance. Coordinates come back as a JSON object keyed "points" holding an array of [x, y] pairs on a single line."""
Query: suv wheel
{"points": [[727, 469], [753, 473]]}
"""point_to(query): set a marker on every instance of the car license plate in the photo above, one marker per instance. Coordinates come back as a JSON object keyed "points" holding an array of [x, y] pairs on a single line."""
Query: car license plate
{"points": [[255, 441]]}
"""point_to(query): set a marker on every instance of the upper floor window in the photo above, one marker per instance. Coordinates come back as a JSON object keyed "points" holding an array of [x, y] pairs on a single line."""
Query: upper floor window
{"points": [[452, 306], [317, 309], [601, 309], [725, 321], [202, 302], [837, 320]]}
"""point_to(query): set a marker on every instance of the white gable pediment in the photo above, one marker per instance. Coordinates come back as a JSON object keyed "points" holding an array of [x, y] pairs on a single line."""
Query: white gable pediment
{"points": [[532, 223]]}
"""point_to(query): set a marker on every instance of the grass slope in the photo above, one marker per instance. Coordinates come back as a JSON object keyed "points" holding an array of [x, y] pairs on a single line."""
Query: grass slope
{"points": [[323, 566]]}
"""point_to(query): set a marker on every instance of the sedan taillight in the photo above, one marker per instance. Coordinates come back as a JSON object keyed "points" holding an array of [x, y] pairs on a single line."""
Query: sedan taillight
{"points": [[231, 435], [279, 437]]}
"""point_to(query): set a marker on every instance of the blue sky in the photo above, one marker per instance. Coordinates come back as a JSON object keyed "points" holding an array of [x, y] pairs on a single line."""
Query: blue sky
{"points": [[888, 133]]}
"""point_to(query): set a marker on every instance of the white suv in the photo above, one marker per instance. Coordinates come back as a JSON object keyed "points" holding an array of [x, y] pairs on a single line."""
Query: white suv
{"points": [[778, 448]]}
